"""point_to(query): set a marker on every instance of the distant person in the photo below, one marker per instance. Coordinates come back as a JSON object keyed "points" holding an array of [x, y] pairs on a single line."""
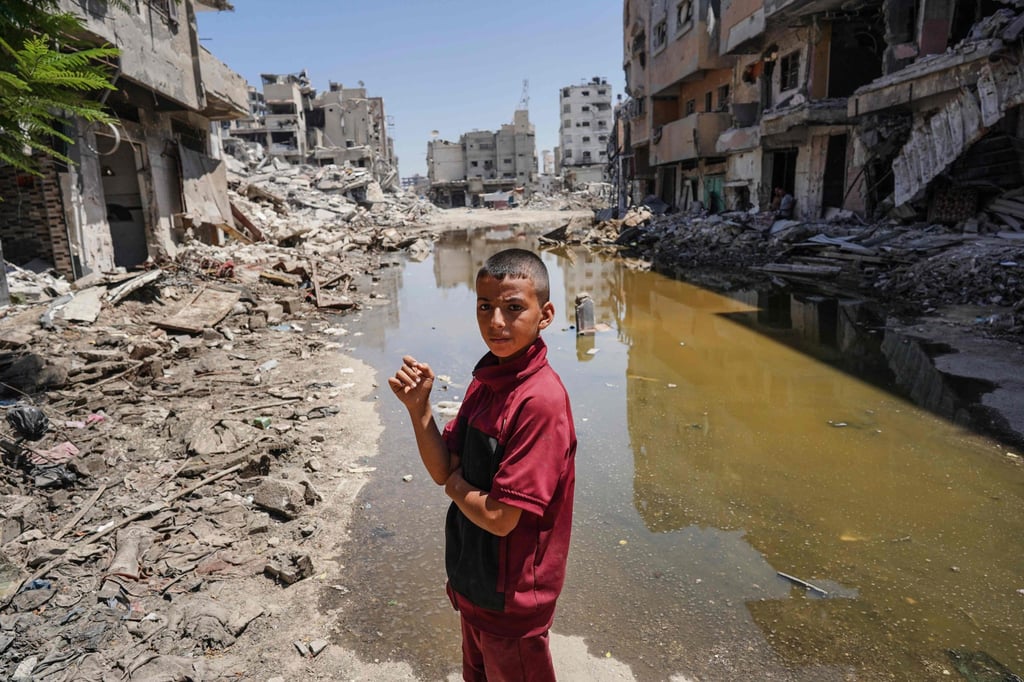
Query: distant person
{"points": [[786, 203], [507, 461]]}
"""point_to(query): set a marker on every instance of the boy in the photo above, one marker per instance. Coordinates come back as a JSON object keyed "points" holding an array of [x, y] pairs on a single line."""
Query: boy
{"points": [[507, 461]]}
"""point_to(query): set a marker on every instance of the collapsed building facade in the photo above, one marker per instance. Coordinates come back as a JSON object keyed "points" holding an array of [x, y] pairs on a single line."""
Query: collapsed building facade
{"points": [[483, 162], [586, 123], [289, 120], [136, 185], [862, 106]]}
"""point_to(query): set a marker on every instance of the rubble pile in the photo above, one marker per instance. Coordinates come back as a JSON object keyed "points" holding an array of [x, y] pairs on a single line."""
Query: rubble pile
{"points": [[595, 195], [911, 268], [162, 440], [287, 202]]}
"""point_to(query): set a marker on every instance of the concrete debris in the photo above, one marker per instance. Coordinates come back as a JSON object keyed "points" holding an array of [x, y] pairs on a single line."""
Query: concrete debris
{"points": [[186, 406], [911, 268]]}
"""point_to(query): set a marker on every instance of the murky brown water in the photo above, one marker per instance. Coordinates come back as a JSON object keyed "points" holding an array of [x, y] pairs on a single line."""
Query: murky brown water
{"points": [[712, 457]]}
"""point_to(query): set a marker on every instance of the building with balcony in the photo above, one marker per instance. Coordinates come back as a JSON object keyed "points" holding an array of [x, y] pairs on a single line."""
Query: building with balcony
{"points": [[482, 162], [586, 123], [854, 106], [138, 184], [341, 126]]}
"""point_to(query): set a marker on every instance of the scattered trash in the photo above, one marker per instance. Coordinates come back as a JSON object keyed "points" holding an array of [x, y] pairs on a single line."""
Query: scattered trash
{"points": [[407, 478]]}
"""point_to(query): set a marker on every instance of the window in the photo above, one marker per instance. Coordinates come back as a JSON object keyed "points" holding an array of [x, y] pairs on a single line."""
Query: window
{"points": [[566, 108], [568, 123], [708, 105], [507, 162], [660, 34], [602, 138], [585, 93], [586, 139], [603, 154], [684, 15], [602, 124], [789, 71], [601, 92], [723, 98], [586, 108], [691, 106], [568, 154], [586, 155], [474, 164], [585, 124], [565, 92]]}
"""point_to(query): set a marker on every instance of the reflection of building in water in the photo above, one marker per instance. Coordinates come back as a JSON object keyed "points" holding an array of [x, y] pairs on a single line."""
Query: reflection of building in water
{"points": [[458, 255], [585, 271]]}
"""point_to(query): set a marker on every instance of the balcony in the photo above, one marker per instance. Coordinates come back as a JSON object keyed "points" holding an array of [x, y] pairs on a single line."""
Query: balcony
{"points": [[815, 112], [689, 138], [685, 58], [227, 94], [640, 130]]}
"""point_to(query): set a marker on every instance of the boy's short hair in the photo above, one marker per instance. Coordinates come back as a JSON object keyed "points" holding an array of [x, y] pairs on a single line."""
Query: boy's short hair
{"points": [[519, 263]]}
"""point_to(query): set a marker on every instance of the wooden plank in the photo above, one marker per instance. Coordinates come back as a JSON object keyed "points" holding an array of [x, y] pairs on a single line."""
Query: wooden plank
{"points": [[206, 309], [797, 269], [235, 234], [250, 227]]}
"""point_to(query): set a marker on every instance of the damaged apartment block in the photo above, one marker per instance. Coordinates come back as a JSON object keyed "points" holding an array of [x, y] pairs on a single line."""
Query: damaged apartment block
{"points": [[290, 121], [138, 184], [855, 106]]}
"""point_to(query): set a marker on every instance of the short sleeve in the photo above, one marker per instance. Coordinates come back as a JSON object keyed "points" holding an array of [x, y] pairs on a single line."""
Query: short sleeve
{"points": [[537, 451]]}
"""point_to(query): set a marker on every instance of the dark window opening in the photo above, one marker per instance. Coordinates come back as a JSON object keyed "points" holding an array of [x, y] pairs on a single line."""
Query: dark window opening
{"points": [[708, 101], [691, 106], [789, 71]]}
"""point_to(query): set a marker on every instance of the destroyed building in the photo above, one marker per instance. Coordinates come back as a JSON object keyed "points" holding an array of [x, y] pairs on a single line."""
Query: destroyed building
{"points": [[862, 106], [289, 120], [585, 124], [138, 183], [483, 162]]}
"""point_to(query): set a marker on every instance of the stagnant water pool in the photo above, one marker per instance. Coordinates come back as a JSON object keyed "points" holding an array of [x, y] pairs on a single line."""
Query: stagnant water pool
{"points": [[723, 445]]}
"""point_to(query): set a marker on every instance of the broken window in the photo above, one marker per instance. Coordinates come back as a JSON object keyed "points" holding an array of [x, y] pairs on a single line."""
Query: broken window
{"points": [[565, 92], [602, 124], [660, 34], [723, 97], [789, 71], [168, 9], [691, 106], [474, 164], [684, 15]]}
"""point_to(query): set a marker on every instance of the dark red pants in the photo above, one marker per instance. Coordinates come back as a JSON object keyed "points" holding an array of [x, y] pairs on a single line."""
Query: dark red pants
{"points": [[489, 658]]}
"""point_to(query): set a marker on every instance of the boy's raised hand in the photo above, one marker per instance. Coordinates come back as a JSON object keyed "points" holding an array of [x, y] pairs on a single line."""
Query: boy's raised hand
{"points": [[412, 383]]}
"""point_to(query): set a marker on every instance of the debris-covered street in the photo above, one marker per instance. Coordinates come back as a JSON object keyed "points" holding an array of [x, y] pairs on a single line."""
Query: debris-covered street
{"points": [[180, 438]]}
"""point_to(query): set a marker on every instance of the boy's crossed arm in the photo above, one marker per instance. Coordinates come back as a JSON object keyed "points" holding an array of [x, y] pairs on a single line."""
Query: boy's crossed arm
{"points": [[412, 384]]}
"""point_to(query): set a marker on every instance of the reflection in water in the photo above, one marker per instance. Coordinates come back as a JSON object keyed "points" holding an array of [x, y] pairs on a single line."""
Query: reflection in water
{"points": [[719, 445]]}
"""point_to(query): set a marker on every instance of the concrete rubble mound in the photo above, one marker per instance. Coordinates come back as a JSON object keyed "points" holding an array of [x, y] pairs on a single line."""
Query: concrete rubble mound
{"points": [[165, 430], [913, 268]]}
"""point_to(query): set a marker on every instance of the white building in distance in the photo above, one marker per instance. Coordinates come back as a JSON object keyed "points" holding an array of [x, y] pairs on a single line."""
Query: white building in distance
{"points": [[583, 133]]}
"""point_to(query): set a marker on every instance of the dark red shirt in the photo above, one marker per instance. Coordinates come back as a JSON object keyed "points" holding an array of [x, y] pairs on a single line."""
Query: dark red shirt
{"points": [[516, 440]]}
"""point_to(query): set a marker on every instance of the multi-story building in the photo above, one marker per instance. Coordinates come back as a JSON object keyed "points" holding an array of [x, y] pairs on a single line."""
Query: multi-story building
{"points": [[483, 161], [586, 123], [341, 126], [847, 106], [136, 185]]}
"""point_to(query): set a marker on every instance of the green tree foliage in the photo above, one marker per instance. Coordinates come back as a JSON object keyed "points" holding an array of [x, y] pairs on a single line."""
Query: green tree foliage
{"points": [[47, 78]]}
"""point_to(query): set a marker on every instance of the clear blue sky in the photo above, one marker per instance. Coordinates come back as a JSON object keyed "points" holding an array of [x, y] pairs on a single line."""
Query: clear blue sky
{"points": [[447, 65]]}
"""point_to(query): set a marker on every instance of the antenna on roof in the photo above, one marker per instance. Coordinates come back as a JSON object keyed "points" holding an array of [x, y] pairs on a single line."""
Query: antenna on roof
{"points": [[524, 99]]}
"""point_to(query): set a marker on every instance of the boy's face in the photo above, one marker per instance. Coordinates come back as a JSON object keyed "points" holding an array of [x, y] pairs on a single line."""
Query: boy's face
{"points": [[509, 315]]}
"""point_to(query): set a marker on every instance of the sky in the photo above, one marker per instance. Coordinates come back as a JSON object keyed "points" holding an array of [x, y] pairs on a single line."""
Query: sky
{"points": [[447, 65]]}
